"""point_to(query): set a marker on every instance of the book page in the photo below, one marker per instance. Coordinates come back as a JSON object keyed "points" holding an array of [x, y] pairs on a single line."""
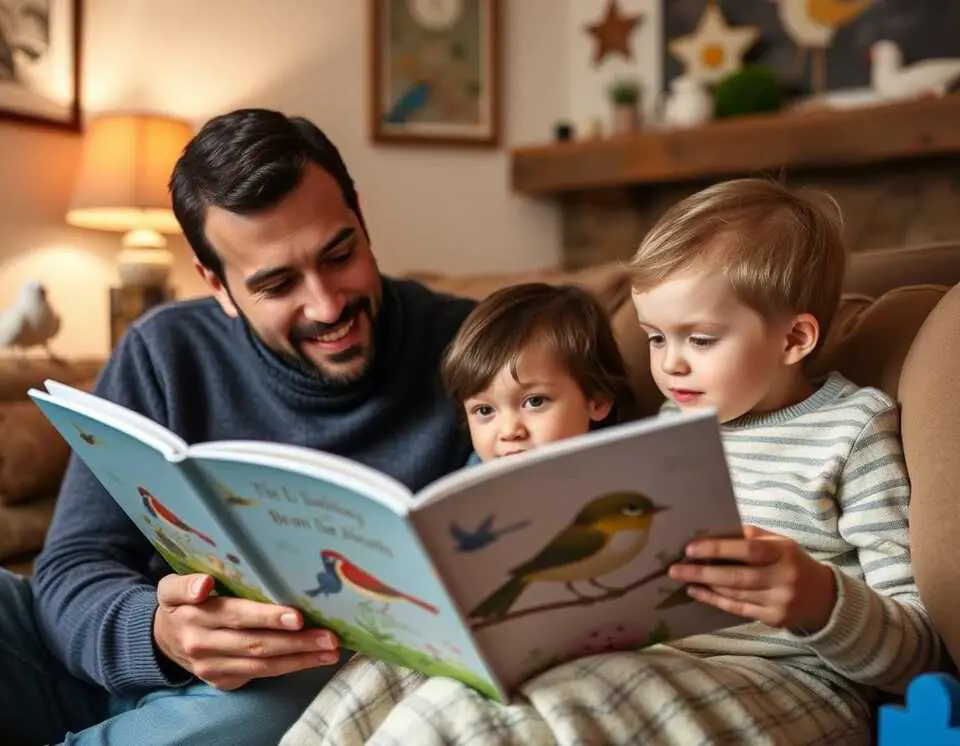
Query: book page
{"points": [[155, 493], [565, 553], [349, 561]]}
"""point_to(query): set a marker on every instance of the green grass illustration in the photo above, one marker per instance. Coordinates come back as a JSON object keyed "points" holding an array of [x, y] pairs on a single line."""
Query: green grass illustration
{"points": [[377, 642]]}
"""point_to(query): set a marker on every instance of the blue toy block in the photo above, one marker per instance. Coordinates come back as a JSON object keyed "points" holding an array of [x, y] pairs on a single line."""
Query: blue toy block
{"points": [[931, 716]]}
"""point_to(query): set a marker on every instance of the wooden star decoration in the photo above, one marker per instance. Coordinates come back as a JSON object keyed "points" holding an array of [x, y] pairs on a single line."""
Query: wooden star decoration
{"points": [[612, 34]]}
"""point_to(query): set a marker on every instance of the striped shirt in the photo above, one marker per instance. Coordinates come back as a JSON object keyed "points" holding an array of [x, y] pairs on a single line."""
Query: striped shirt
{"points": [[829, 473]]}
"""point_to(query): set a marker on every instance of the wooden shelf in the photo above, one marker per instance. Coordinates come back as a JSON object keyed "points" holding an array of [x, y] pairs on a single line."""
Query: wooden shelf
{"points": [[824, 139]]}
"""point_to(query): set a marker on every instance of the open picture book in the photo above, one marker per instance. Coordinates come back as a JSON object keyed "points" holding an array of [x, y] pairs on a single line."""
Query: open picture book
{"points": [[489, 575]]}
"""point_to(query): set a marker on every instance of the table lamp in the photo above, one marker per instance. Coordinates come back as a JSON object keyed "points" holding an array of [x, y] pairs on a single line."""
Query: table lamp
{"points": [[125, 167]]}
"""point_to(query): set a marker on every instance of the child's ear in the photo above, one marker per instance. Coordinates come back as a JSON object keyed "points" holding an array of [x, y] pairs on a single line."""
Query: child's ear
{"points": [[801, 339], [600, 408]]}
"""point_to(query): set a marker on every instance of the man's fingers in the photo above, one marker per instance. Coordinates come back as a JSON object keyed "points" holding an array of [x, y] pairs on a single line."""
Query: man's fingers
{"points": [[228, 673], [224, 643], [180, 590], [241, 613]]}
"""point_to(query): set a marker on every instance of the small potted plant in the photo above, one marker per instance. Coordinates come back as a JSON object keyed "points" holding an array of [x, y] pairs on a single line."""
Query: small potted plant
{"points": [[625, 98]]}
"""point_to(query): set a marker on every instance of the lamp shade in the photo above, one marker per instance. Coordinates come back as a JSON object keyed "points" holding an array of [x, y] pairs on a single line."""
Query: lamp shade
{"points": [[125, 166]]}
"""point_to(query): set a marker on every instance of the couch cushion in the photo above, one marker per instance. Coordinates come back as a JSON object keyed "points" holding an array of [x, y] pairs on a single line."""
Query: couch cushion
{"points": [[24, 527], [870, 339], [33, 456], [18, 375], [608, 282], [930, 425]]}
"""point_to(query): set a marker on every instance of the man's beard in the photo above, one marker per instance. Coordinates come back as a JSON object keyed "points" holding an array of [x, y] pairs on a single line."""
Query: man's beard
{"points": [[295, 357]]}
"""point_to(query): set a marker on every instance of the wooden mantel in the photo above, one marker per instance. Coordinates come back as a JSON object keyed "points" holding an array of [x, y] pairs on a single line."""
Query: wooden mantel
{"points": [[748, 145]]}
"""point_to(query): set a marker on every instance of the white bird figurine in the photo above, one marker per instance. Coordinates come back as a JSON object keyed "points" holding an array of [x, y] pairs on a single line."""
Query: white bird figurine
{"points": [[893, 81], [30, 321]]}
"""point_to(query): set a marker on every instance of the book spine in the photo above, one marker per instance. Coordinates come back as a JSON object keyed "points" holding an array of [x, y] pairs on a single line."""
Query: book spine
{"points": [[272, 581]]}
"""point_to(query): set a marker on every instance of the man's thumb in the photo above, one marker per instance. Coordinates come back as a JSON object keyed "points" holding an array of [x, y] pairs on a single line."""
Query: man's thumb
{"points": [[178, 590]]}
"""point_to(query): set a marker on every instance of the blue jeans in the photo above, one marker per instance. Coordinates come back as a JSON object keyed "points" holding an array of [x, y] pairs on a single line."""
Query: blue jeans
{"points": [[42, 703]]}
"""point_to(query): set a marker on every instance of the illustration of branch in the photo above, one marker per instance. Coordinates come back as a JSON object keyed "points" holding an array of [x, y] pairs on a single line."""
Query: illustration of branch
{"points": [[582, 601]]}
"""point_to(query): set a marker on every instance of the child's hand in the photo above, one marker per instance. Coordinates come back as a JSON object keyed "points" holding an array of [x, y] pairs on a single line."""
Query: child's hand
{"points": [[778, 583]]}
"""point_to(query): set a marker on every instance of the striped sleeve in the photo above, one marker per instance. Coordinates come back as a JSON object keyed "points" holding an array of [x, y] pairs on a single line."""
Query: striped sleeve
{"points": [[879, 633]]}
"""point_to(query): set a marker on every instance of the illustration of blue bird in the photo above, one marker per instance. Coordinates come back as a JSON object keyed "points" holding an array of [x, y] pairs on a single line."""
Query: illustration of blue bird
{"points": [[483, 535], [412, 100], [328, 582]]}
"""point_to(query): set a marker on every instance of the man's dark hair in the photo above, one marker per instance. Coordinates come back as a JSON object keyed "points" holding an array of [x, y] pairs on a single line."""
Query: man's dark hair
{"points": [[246, 161]]}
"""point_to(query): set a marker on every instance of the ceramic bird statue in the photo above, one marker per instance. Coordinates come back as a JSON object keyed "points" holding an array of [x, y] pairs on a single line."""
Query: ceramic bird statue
{"points": [[367, 585], [604, 536], [893, 81], [30, 321], [162, 513], [811, 24]]}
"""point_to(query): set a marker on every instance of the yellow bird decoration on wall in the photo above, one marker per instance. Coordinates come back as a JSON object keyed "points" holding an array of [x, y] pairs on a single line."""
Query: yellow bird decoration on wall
{"points": [[811, 24]]}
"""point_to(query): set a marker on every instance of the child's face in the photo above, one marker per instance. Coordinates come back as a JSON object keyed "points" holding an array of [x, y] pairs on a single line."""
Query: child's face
{"points": [[709, 349], [544, 406]]}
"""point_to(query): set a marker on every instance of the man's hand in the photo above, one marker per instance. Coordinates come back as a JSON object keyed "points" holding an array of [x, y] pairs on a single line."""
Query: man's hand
{"points": [[774, 581], [226, 642]]}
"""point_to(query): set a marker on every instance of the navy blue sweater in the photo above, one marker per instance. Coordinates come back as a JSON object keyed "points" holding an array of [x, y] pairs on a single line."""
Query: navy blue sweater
{"points": [[204, 375]]}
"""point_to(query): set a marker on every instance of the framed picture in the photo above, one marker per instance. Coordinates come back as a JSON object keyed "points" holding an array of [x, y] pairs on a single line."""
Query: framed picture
{"points": [[40, 55], [435, 72]]}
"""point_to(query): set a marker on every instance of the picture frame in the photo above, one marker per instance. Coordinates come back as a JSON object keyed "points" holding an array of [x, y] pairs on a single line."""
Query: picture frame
{"points": [[435, 72], [40, 62]]}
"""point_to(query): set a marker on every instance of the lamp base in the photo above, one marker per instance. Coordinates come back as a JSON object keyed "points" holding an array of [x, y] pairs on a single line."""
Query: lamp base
{"points": [[140, 266]]}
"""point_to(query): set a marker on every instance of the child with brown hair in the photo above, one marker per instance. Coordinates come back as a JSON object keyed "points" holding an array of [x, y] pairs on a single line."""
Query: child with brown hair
{"points": [[533, 364]]}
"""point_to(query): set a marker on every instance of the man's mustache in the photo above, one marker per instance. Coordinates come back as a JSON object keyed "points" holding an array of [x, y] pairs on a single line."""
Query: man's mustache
{"points": [[314, 329]]}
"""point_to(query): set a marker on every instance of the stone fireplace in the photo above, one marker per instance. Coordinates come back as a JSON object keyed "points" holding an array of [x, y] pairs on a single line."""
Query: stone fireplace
{"points": [[894, 170]]}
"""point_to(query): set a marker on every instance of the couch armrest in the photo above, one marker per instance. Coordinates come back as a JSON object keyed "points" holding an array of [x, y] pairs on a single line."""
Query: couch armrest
{"points": [[931, 440]]}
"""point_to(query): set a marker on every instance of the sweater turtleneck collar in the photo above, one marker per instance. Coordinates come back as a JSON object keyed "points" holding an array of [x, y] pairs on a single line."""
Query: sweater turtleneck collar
{"points": [[282, 372]]}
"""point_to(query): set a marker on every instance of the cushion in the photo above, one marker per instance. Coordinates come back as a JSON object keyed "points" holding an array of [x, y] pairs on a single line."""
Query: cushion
{"points": [[930, 425], [18, 375], [23, 527], [33, 456]]}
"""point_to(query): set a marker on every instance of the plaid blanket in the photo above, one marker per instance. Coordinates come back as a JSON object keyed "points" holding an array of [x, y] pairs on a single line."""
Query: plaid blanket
{"points": [[660, 696]]}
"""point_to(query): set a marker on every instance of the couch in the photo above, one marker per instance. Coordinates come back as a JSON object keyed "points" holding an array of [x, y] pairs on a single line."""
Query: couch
{"points": [[898, 328]]}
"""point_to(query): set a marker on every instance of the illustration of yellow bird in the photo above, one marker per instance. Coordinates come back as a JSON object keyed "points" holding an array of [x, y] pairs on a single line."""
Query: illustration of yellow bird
{"points": [[605, 535]]}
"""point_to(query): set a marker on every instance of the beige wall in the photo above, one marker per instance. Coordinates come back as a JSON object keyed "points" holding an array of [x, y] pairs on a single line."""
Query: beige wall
{"points": [[446, 210]]}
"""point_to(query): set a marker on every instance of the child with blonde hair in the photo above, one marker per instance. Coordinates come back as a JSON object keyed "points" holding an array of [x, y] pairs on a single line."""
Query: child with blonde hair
{"points": [[736, 288], [533, 364]]}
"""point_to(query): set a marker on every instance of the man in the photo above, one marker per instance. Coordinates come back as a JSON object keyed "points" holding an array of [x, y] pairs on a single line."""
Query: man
{"points": [[303, 342]]}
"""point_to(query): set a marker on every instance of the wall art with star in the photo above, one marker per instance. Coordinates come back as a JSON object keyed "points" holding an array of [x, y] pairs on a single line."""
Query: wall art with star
{"points": [[812, 46]]}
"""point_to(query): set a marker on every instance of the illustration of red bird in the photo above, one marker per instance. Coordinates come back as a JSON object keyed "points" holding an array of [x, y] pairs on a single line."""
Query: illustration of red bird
{"points": [[367, 585], [161, 512]]}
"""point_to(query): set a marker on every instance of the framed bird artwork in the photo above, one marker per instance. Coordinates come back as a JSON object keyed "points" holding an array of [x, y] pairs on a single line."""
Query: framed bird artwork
{"points": [[435, 72]]}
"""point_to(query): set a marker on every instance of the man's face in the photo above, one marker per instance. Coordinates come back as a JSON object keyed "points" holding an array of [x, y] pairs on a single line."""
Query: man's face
{"points": [[303, 276]]}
